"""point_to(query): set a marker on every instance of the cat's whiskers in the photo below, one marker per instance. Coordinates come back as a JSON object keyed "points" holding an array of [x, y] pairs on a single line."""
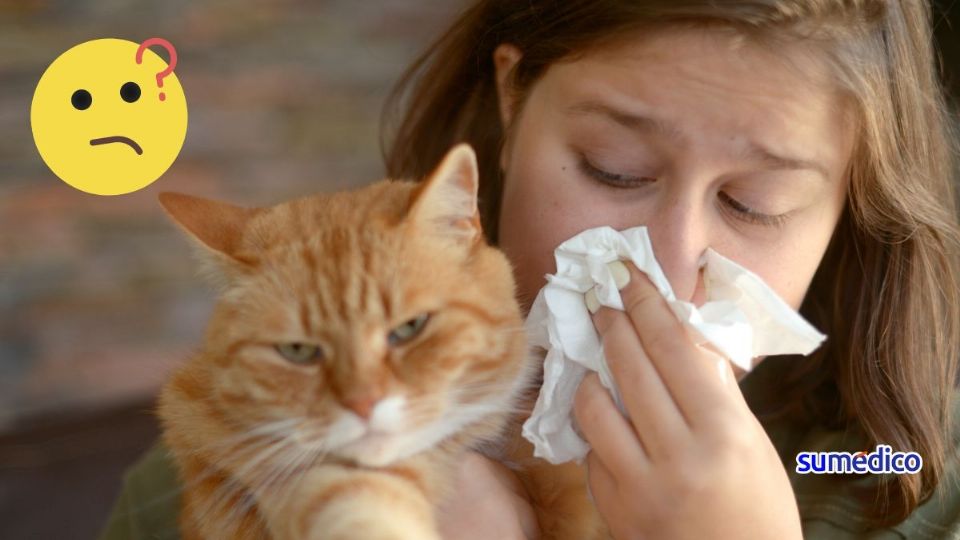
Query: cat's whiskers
{"points": [[232, 442], [458, 415], [264, 437], [273, 446], [239, 479], [324, 435], [316, 456], [256, 481], [418, 408], [227, 490], [239, 454], [284, 457], [263, 429], [273, 478], [288, 461]]}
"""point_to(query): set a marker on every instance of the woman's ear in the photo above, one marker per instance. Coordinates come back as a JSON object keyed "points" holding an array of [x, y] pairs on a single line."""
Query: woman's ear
{"points": [[505, 58]]}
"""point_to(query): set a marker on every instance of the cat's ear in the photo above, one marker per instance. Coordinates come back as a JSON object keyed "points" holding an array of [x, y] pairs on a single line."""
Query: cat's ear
{"points": [[446, 201], [216, 229]]}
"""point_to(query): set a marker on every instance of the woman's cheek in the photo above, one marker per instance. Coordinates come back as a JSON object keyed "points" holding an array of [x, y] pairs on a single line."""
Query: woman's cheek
{"points": [[529, 219], [536, 217]]}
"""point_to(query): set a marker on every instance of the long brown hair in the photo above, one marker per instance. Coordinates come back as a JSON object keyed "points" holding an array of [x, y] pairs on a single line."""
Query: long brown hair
{"points": [[887, 290]]}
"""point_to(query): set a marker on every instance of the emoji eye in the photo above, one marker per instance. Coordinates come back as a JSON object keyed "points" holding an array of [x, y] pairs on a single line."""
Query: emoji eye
{"points": [[81, 100], [300, 353], [408, 330], [130, 92]]}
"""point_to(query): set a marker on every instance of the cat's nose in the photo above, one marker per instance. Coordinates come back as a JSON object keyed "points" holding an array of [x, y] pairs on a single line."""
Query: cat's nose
{"points": [[361, 404]]}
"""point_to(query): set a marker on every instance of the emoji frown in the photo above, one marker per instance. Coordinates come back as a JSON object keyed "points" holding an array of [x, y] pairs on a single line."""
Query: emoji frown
{"points": [[105, 123]]}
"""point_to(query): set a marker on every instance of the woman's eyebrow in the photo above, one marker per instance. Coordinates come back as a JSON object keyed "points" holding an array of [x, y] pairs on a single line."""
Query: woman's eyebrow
{"points": [[759, 153], [644, 124], [626, 119]]}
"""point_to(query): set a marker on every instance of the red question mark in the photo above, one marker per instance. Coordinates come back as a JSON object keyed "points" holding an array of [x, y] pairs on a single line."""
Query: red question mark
{"points": [[173, 59]]}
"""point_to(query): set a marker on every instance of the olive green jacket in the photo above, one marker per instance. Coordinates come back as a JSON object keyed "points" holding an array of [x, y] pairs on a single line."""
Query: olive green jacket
{"points": [[829, 508]]}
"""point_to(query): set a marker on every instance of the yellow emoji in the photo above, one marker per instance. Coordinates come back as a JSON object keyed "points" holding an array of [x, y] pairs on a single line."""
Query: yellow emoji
{"points": [[109, 115]]}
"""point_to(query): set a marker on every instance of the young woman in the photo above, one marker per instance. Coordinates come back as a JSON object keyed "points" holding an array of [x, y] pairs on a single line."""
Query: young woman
{"points": [[808, 141]]}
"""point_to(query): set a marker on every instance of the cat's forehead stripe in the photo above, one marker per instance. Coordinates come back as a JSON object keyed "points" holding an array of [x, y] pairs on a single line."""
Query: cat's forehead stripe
{"points": [[305, 321], [364, 277], [343, 271], [347, 271], [309, 260]]}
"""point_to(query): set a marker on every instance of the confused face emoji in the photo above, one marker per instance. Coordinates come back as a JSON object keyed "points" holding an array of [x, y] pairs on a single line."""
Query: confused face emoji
{"points": [[109, 116]]}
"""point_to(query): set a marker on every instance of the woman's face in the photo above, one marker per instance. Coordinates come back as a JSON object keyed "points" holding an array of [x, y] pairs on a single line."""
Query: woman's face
{"points": [[706, 142]]}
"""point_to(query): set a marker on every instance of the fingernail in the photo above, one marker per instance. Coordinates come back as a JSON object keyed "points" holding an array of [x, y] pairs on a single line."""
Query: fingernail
{"points": [[621, 276], [591, 300]]}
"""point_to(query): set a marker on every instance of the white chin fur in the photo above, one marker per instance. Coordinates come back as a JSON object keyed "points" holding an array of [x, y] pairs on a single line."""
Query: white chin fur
{"points": [[386, 438], [379, 450]]}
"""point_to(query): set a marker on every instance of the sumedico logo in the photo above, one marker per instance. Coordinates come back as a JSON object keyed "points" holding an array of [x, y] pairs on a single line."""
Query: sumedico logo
{"points": [[883, 460]]}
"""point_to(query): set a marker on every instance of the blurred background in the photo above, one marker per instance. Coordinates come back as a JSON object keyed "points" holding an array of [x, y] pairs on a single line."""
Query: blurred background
{"points": [[99, 299]]}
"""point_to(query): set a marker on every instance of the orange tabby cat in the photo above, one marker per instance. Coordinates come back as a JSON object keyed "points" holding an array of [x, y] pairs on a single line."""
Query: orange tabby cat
{"points": [[362, 341]]}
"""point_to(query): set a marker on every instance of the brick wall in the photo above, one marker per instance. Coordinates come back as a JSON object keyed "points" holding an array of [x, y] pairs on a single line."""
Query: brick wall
{"points": [[98, 295]]}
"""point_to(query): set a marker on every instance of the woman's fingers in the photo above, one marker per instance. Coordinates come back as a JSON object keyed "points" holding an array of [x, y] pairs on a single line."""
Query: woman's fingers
{"points": [[602, 484], [689, 374], [657, 420], [731, 376], [607, 431]]}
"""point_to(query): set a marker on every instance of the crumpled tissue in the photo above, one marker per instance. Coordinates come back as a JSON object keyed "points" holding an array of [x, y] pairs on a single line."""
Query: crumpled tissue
{"points": [[742, 318]]}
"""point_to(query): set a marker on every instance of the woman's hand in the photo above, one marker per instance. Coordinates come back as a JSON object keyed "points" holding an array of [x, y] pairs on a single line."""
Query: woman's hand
{"points": [[692, 461], [489, 502]]}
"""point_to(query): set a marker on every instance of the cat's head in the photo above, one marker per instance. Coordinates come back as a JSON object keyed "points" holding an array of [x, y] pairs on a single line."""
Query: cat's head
{"points": [[367, 324]]}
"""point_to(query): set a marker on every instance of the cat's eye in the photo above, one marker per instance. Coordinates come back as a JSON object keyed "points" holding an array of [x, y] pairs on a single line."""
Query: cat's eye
{"points": [[300, 353], [408, 330]]}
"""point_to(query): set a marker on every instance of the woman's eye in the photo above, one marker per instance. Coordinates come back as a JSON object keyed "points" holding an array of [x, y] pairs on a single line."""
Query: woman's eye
{"points": [[610, 178], [300, 353], [408, 330], [749, 215]]}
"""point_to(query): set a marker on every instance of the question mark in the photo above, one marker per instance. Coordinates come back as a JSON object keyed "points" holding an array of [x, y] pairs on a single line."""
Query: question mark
{"points": [[173, 59]]}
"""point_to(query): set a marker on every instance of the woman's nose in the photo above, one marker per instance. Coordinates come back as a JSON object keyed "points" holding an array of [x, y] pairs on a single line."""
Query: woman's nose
{"points": [[680, 234]]}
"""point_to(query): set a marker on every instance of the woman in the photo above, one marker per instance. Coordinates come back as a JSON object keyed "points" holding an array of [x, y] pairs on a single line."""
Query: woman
{"points": [[805, 140]]}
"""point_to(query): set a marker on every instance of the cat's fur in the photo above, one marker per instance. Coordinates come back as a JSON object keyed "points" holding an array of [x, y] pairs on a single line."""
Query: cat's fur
{"points": [[268, 448]]}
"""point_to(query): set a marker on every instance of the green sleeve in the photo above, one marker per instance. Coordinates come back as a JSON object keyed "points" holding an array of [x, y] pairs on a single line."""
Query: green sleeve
{"points": [[840, 517], [836, 506], [149, 501]]}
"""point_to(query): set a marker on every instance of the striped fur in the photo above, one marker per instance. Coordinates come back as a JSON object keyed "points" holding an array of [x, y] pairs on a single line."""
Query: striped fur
{"points": [[271, 449]]}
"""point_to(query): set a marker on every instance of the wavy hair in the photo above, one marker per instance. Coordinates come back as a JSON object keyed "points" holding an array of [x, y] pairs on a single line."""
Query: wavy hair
{"points": [[886, 291]]}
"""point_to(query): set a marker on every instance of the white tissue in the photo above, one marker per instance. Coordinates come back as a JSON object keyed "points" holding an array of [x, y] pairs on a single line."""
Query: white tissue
{"points": [[742, 318]]}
